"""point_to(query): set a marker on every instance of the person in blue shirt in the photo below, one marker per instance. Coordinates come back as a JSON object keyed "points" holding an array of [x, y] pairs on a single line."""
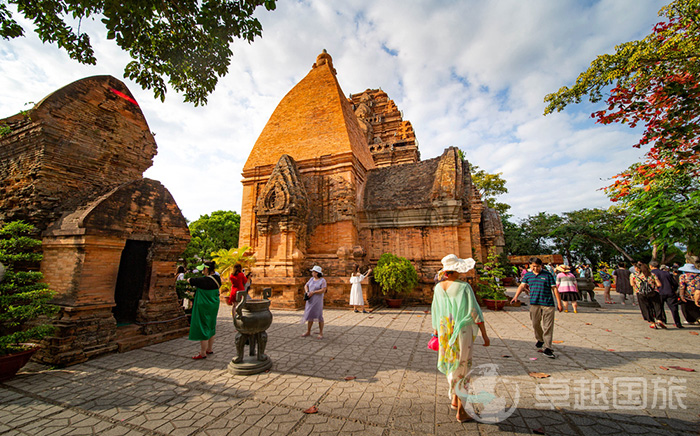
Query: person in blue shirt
{"points": [[543, 291]]}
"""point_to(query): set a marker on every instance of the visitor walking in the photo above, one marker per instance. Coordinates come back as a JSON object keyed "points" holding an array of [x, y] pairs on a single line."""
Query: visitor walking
{"points": [[456, 320], [543, 291], [238, 281], [646, 284], [567, 287], [667, 293], [689, 292], [356, 288], [314, 290], [622, 283], [205, 309], [607, 284]]}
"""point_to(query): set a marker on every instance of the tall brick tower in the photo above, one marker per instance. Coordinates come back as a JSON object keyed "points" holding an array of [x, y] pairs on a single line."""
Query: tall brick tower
{"points": [[333, 181], [302, 183]]}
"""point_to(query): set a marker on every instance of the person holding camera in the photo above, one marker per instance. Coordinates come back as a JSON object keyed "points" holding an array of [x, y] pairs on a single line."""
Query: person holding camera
{"points": [[314, 290]]}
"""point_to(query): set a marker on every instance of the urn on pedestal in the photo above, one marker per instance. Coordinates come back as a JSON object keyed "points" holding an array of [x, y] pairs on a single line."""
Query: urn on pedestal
{"points": [[251, 318]]}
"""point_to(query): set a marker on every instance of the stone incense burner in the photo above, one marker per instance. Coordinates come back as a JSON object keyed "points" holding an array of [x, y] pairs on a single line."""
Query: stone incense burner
{"points": [[251, 318]]}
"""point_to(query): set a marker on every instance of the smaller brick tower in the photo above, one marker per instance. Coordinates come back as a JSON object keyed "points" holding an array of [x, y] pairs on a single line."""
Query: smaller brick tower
{"points": [[73, 166]]}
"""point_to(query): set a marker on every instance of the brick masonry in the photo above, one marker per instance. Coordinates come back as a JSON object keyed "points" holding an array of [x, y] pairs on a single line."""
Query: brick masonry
{"points": [[73, 166], [356, 165]]}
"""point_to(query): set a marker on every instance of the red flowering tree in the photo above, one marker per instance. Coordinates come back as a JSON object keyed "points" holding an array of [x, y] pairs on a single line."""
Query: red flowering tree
{"points": [[653, 83]]}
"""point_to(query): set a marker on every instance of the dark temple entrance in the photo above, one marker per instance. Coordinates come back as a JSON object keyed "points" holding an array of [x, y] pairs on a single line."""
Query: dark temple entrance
{"points": [[131, 280]]}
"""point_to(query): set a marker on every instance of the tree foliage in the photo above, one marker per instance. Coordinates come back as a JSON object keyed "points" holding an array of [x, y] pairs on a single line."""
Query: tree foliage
{"points": [[490, 186], [227, 259], [665, 212], [656, 83], [187, 43], [211, 233], [586, 235], [24, 299], [491, 276]]}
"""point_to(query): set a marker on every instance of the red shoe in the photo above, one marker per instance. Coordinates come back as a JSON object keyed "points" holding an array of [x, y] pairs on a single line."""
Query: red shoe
{"points": [[198, 357], [210, 352]]}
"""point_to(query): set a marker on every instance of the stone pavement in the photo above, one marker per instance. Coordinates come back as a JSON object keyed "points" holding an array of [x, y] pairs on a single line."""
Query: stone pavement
{"points": [[606, 380]]}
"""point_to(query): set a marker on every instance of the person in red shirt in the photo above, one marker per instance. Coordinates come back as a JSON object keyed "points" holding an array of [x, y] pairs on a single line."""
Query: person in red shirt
{"points": [[238, 281]]}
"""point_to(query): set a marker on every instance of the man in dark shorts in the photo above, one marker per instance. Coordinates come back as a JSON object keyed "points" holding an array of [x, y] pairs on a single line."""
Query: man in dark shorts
{"points": [[666, 292], [543, 291]]}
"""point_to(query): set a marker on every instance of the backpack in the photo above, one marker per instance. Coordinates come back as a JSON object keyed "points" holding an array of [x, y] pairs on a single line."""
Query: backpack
{"points": [[646, 289]]}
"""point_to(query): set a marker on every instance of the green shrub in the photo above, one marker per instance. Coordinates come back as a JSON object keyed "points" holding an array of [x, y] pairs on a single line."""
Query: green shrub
{"points": [[24, 300], [395, 275], [490, 279]]}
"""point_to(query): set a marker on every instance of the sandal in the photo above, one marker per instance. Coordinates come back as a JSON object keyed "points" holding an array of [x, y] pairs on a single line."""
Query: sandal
{"points": [[210, 352], [198, 357], [305, 335], [319, 336]]}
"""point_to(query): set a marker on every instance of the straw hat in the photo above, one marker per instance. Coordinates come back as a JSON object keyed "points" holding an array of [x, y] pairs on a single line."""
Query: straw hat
{"points": [[454, 263], [689, 267], [563, 268]]}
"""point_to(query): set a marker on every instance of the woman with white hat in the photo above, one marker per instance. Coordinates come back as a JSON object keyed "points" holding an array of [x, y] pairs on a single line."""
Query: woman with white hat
{"points": [[689, 292], [314, 290], [456, 318]]}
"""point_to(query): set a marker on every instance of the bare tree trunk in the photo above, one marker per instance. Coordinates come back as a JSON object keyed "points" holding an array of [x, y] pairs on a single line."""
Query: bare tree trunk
{"points": [[654, 251]]}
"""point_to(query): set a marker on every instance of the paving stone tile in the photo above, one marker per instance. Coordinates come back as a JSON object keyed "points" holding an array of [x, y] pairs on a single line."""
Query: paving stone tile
{"points": [[160, 390]]}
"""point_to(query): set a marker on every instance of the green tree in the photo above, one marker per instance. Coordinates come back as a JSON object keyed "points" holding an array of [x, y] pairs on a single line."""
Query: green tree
{"points": [[596, 235], [187, 43], [490, 186], [211, 233], [24, 299], [491, 277], [653, 82], [666, 212]]}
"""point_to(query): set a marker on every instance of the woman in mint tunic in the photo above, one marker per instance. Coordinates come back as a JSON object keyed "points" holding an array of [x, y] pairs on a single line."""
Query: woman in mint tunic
{"points": [[205, 309], [456, 318]]}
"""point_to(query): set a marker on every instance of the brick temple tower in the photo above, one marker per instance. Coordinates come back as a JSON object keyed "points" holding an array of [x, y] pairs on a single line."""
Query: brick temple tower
{"points": [[73, 167], [334, 181]]}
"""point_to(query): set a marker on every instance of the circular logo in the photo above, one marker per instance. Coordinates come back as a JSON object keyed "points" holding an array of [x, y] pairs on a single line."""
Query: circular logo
{"points": [[494, 392]]}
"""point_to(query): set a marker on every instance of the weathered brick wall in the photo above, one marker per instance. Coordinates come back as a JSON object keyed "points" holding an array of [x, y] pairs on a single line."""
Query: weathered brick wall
{"points": [[73, 166], [76, 144], [391, 139]]}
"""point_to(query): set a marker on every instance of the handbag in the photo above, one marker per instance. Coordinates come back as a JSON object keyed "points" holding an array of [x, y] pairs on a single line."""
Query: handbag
{"points": [[306, 296], [646, 289], [434, 344]]}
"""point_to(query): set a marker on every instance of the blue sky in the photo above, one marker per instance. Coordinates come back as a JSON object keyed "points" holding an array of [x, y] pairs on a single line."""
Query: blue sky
{"points": [[470, 74]]}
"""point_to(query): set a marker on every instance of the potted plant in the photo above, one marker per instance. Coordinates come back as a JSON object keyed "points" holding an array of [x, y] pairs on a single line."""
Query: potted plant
{"points": [[24, 300], [489, 287], [395, 276]]}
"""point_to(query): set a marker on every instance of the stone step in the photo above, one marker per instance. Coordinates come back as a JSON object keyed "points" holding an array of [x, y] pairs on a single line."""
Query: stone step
{"points": [[134, 342], [128, 331]]}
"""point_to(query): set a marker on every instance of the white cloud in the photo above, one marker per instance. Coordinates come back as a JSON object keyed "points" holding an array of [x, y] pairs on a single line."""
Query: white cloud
{"points": [[470, 74]]}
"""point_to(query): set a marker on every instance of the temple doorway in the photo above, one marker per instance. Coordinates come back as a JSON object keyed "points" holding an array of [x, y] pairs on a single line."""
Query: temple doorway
{"points": [[131, 280]]}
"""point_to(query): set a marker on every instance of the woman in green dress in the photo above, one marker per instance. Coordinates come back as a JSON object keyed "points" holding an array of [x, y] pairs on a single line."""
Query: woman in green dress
{"points": [[205, 309], [456, 318]]}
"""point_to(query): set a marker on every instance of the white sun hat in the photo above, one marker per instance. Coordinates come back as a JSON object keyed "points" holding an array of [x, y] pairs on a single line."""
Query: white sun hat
{"points": [[454, 263], [689, 267], [317, 269]]}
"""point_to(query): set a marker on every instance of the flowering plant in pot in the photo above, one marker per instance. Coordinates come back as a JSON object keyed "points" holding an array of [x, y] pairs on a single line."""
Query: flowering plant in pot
{"points": [[24, 299], [489, 287], [395, 276]]}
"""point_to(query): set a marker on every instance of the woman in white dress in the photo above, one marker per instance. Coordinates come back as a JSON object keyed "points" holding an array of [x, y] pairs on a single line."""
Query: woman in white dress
{"points": [[356, 289]]}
